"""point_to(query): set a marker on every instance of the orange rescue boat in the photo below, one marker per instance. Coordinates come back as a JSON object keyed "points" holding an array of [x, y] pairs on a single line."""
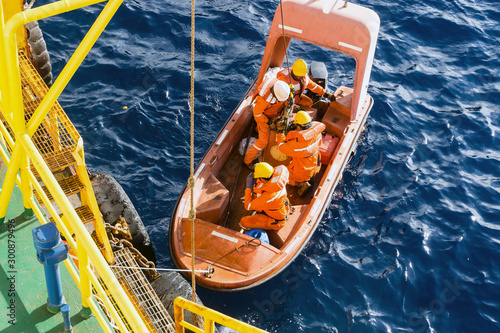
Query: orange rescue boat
{"points": [[233, 260]]}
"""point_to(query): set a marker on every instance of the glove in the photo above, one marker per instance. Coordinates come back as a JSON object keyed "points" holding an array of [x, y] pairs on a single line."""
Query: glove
{"points": [[331, 97], [280, 127], [272, 125], [250, 180], [296, 108]]}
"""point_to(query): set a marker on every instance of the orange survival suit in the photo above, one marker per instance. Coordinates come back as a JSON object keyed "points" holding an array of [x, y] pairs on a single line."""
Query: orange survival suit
{"points": [[270, 200], [303, 147], [266, 107], [300, 86]]}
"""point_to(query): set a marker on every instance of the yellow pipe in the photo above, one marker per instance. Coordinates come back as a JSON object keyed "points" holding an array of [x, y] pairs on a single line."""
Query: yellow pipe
{"points": [[73, 64], [3, 64], [4, 154], [12, 101], [83, 236], [9, 180], [26, 186], [85, 285]]}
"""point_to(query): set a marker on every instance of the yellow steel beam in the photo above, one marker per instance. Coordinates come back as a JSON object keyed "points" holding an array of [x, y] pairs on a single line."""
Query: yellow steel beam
{"points": [[12, 7], [83, 236], [88, 198], [74, 62], [4, 82], [9, 180], [12, 101], [25, 186]]}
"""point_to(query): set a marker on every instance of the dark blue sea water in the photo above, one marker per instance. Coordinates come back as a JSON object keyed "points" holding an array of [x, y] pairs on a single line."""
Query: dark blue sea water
{"points": [[411, 240]]}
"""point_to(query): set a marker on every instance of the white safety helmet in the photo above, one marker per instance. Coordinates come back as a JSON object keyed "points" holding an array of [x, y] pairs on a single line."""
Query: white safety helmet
{"points": [[281, 91]]}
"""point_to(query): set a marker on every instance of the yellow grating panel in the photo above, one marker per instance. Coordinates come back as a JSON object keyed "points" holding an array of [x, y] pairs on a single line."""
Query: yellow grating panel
{"points": [[56, 131], [57, 162], [70, 185], [141, 293], [97, 242], [84, 213]]}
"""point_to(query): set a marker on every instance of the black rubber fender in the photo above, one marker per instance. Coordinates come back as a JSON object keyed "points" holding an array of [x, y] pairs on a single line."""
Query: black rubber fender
{"points": [[114, 203], [39, 54], [169, 287]]}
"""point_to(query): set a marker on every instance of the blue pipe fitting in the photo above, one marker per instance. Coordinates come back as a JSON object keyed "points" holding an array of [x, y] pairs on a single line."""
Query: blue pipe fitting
{"points": [[50, 251], [67, 321]]}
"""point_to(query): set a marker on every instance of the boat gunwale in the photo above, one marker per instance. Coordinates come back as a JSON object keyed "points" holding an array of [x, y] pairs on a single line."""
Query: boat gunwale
{"points": [[360, 105], [305, 231]]}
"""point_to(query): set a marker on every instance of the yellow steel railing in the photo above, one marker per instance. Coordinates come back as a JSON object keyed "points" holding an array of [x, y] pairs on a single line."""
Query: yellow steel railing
{"points": [[210, 318], [24, 150]]}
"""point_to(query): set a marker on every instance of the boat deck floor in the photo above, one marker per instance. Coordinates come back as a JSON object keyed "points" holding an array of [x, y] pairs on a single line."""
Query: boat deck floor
{"points": [[26, 278]]}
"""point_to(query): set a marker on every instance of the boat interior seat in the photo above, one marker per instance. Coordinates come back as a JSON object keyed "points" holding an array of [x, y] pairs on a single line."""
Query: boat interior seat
{"points": [[213, 201], [338, 115], [278, 238]]}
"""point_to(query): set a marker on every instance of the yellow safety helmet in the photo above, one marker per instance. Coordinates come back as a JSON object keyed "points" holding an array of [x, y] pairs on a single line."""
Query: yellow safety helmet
{"points": [[299, 67], [263, 170], [302, 118]]}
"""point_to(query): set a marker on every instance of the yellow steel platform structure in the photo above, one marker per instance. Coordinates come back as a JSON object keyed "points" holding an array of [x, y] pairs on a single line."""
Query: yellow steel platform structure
{"points": [[39, 146]]}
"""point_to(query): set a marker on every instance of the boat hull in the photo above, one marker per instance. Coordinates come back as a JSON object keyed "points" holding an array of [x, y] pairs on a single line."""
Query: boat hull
{"points": [[253, 263]]}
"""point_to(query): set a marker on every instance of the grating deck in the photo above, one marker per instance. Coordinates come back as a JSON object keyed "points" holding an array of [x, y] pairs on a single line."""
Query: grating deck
{"points": [[70, 185], [84, 213], [56, 137], [137, 286], [56, 132]]}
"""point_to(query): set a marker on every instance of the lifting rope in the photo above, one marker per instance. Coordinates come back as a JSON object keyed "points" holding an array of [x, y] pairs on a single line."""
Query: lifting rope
{"points": [[197, 320], [290, 105], [284, 42], [192, 213]]}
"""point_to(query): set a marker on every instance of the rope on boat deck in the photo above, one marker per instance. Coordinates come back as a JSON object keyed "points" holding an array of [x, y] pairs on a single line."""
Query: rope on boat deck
{"points": [[248, 243], [161, 269]]}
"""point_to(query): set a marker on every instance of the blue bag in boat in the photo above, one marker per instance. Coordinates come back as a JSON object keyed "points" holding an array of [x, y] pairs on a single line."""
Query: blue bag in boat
{"points": [[258, 234]]}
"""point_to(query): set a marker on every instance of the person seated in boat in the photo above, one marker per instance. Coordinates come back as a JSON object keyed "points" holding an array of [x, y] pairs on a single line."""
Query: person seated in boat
{"points": [[302, 145], [266, 193], [297, 76], [269, 101]]}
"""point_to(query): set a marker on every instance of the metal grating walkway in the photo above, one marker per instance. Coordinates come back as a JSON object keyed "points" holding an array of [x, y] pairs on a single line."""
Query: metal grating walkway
{"points": [[70, 185], [56, 137], [137, 286], [56, 132]]}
